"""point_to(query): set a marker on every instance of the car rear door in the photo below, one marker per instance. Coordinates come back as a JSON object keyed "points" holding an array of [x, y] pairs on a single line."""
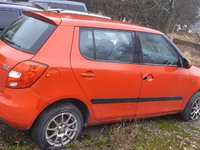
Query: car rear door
{"points": [[105, 65], [165, 82]]}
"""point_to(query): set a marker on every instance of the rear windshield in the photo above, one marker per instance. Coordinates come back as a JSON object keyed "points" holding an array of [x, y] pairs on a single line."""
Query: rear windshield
{"points": [[28, 34]]}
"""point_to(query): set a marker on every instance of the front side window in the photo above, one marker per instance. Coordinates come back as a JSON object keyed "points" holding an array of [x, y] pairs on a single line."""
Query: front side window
{"points": [[27, 34], [7, 17], [107, 45], [156, 50]]}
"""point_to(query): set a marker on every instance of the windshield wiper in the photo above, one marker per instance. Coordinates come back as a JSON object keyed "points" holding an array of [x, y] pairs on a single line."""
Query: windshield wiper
{"points": [[10, 41]]}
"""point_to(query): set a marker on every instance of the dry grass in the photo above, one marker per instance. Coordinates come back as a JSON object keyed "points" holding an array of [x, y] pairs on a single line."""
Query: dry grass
{"points": [[189, 37], [191, 53], [150, 134], [166, 133]]}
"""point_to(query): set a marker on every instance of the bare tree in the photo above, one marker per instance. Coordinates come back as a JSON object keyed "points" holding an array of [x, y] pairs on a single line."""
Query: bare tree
{"points": [[159, 14]]}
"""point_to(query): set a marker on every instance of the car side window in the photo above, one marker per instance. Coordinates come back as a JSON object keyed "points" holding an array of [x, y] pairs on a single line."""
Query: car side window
{"points": [[113, 45], [86, 43], [7, 17], [107, 45], [156, 50]]}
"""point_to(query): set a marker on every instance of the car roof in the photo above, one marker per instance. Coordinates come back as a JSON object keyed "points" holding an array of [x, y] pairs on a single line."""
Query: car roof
{"points": [[89, 21], [61, 2], [58, 1], [11, 6]]}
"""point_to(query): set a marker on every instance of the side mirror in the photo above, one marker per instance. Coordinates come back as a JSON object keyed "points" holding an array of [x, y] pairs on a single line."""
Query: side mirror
{"points": [[186, 63]]}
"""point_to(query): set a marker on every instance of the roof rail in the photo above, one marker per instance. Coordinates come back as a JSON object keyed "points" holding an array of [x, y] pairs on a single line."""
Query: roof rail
{"points": [[78, 13]]}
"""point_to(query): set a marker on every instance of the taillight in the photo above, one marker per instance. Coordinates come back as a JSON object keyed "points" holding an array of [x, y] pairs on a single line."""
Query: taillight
{"points": [[25, 74]]}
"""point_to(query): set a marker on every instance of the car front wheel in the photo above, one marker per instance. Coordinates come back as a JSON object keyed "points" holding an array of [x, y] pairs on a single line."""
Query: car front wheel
{"points": [[192, 109]]}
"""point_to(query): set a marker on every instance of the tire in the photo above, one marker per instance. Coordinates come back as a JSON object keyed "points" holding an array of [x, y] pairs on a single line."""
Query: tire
{"points": [[57, 126], [192, 109]]}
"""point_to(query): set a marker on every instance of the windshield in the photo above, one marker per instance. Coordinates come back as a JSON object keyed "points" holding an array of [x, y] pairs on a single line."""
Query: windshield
{"points": [[27, 34]]}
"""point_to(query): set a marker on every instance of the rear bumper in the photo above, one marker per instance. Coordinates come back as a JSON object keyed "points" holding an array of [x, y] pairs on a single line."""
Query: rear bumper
{"points": [[20, 107]]}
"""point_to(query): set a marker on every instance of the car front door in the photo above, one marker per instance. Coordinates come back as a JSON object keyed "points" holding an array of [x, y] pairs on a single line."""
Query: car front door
{"points": [[106, 67], [164, 81]]}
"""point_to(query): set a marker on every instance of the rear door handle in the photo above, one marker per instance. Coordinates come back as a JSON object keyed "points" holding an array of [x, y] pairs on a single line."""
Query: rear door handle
{"points": [[148, 77], [88, 74], [144, 78]]}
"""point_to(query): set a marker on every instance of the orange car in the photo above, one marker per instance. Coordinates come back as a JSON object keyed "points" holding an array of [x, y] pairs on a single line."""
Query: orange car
{"points": [[60, 72]]}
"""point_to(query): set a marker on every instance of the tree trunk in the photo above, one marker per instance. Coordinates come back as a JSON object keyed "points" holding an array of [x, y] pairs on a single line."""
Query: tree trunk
{"points": [[169, 22]]}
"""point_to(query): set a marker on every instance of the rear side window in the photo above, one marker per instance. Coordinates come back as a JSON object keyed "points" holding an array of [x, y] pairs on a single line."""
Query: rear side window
{"points": [[107, 45], [28, 34], [7, 17], [86, 43], [156, 50]]}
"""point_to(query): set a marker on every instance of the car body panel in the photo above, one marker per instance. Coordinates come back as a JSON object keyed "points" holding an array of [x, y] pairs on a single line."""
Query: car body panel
{"points": [[53, 20], [165, 91], [58, 82], [20, 109], [115, 76], [194, 84], [90, 21], [9, 57]]}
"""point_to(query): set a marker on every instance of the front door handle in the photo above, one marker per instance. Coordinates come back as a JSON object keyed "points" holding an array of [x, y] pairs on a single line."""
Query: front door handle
{"points": [[148, 77], [88, 74]]}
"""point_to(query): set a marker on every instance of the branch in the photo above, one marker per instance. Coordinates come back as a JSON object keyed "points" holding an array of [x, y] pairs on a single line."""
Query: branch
{"points": [[161, 6], [171, 3]]}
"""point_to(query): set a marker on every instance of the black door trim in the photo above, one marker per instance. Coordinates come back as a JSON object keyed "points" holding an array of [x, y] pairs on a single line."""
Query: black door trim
{"points": [[113, 100], [134, 99], [151, 99]]}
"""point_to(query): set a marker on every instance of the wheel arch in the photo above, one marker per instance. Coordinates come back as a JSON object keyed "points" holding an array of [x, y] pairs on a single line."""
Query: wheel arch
{"points": [[78, 103], [185, 104]]}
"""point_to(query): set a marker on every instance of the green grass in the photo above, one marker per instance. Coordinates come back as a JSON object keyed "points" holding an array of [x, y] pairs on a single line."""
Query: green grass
{"points": [[154, 134], [19, 148]]}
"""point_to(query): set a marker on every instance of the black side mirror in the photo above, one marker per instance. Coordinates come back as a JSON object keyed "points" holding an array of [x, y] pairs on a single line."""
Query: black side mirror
{"points": [[186, 63]]}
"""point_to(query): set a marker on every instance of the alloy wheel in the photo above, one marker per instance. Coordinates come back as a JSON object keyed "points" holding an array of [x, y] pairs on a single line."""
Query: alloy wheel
{"points": [[61, 129]]}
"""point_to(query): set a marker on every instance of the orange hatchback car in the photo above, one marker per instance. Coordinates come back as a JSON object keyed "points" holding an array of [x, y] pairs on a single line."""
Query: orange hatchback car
{"points": [[61, 72]]}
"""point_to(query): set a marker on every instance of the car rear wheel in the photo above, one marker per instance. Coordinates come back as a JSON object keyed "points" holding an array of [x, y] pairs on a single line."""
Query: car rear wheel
{"points": [[57, 126], [192, 109]]}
